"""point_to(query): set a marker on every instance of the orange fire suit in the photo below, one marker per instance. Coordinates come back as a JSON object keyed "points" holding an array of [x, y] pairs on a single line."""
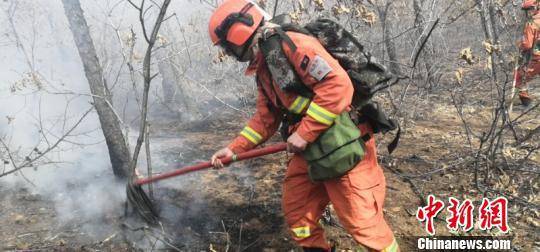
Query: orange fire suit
{"points": [[530, 42], [358, 196]]}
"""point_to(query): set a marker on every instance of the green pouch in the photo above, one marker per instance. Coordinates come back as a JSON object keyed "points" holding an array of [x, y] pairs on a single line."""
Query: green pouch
{"points": [[336, 151]]}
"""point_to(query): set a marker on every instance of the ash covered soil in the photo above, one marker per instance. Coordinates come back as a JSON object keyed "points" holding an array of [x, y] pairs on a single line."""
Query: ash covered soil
{"points": [[238, 208]]}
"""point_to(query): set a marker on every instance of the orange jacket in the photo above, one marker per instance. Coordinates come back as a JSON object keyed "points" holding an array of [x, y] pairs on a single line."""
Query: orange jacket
{"points": [[531, 36], [320, 72]]}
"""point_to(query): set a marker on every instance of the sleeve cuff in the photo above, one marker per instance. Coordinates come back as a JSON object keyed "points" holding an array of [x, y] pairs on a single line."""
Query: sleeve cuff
{"points": [[240, 145], [306, 134]]}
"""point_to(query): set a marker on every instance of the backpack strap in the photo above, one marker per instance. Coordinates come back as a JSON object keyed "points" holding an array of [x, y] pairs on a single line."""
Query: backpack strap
{"points": [[286, 23], [288, 117], [379, 122], [279, 65], [268, 100], [284, 37]]}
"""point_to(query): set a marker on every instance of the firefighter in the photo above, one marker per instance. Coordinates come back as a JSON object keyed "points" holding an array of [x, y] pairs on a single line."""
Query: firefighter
{"points": [[530, 51], [358, 195]]}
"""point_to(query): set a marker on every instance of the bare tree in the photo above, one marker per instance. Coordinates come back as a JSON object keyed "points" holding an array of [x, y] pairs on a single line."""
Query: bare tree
{"points": [[486, 19], [428, 64], [383, 11], [148, 77], [16, 156], [16, 161], [175, 97], [110, 122]]}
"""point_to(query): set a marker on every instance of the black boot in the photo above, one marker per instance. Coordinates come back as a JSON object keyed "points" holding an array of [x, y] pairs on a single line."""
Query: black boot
{"points": [[525, 98]]}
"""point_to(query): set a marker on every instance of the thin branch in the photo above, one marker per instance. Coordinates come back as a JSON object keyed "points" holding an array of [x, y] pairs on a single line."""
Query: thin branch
{"points": [[147, 79], [275, 8], [28, 161], [134, 5], [424, 42]]}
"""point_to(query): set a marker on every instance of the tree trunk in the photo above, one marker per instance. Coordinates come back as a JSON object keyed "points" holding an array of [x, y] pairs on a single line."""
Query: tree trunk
{"points": [[147, 62], [488, 35], [483, 18], [493, 19], [419, 23], [167, 79], [428, 64], [388, 41], [419, 16], [110, 123], [174, 93]]}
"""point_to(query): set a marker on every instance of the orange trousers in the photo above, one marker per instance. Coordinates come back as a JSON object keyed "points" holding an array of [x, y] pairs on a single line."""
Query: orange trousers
{"points": [[524, 76], [357, 197]]}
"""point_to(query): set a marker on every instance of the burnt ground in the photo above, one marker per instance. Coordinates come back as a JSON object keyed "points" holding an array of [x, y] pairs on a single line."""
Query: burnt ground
{"points": [[238, 208]]}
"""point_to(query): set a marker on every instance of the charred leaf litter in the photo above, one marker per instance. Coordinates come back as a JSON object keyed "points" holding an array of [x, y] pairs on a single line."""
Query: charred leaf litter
{"points": [[202, 208]]}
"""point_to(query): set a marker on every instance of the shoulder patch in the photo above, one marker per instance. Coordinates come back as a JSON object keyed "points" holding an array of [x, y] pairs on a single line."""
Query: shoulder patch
{"points": [[319, 68], [305, 63]]}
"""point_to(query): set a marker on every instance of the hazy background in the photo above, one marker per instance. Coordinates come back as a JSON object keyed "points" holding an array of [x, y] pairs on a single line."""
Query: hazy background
{"points": [[44, 91]]}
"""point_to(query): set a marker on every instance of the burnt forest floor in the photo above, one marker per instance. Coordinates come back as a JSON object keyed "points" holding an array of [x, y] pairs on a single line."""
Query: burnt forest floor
{"points": [[238, 208]]}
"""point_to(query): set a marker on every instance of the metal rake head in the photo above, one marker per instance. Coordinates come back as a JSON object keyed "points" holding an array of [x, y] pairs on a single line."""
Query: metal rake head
{"points": [[141, 203]]}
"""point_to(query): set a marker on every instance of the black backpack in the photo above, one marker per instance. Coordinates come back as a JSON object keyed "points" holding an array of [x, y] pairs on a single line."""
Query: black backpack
{"points": [[366, 73]]}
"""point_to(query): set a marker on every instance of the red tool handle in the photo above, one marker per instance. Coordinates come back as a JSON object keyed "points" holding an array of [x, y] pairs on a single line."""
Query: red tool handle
{"points": [[204, 165]]}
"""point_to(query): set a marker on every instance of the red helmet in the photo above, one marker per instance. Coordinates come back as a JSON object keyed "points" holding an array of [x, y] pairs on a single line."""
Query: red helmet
{"points": [[528, 4], [234, 21]]}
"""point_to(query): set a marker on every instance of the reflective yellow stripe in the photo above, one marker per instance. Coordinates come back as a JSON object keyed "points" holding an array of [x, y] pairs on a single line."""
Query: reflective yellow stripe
{"points": [[320, 114], [299, 104], [251, 135], [301, 232], [392, 248]]}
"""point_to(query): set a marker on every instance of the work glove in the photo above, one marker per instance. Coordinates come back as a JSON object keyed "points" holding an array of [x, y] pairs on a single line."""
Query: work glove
{"points": [[296, 144], [223, 153]]}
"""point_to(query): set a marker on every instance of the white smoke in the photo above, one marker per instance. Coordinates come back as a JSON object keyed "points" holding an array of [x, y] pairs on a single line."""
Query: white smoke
{"points": [[77, 174]]}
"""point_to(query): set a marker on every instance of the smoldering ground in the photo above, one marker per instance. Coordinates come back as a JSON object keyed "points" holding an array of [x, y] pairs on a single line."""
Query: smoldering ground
{"points": [[69, 198], [44, 93]]}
